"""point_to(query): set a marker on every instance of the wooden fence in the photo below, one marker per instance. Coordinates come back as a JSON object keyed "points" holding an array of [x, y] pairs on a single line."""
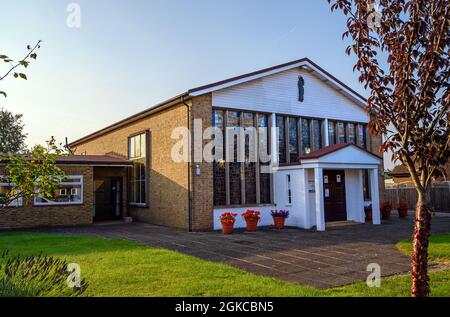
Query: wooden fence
{"points": [[440, 197]]}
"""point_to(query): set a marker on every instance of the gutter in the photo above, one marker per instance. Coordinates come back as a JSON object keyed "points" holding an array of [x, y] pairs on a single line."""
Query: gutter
{"points": [[189, 163]]}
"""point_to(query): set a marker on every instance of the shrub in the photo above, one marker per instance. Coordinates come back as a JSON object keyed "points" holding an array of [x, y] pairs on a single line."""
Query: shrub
{"points": [[36, 276]]}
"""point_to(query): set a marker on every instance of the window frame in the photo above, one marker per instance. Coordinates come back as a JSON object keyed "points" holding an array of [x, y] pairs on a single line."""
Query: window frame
{"points": [[256, 115], [146, 133], [65, 203]]}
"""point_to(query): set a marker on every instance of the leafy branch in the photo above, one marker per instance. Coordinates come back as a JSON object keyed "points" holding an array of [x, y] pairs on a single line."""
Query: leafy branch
{"points": [[24, 62]]}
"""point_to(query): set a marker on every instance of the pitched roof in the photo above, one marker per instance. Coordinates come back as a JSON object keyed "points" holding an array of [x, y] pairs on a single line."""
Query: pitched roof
{"points": [[288, 65], [93, 160], [303, 62], [399, 170], [330, 149]]}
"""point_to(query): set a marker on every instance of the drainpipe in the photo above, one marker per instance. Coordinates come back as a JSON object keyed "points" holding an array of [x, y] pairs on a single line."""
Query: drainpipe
{"points": [[189, 163]]}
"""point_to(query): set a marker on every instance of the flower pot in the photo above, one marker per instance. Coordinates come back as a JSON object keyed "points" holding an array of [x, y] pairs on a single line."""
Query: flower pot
{"points": [[252, 224], [386, 213], [227, 227], [279, 222], [402, 212]]}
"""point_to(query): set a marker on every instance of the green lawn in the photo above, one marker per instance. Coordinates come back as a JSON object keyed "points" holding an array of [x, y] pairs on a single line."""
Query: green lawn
{"points": [[439, 249], [122, 268]]}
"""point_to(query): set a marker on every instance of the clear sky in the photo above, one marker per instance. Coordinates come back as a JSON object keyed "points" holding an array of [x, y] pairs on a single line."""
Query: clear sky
{"points": [[130, 55]]}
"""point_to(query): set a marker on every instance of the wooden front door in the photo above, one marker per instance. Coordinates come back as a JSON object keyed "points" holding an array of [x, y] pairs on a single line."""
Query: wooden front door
{"points": [[334, 195], [108, 198]]}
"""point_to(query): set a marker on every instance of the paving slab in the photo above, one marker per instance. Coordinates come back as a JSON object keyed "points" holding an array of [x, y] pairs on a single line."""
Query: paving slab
{"points": [[336, 257]]}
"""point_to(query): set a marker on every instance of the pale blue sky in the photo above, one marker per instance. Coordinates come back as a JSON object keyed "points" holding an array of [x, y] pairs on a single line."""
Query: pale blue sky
{"points": [[130, 55]]}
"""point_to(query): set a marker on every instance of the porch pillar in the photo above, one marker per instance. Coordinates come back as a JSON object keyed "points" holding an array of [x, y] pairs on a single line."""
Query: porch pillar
{"points": [[304, 199], [326, 133], [361, 216], [274, 139], [375, 196], [320, 209]]}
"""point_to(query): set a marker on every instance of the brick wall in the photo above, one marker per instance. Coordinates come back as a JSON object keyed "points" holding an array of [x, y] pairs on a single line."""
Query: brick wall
{"points": [[30, 216], [168, 185], [202, 185]]}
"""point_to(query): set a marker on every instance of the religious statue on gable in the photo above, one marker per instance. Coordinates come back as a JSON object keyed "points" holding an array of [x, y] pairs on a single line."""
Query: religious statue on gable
{"points": [[301, 89]]}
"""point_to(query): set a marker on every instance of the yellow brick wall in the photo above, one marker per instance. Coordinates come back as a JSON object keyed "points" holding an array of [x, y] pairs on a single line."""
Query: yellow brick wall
{"points": [[202, 186], [168, 185], [30, 216]]}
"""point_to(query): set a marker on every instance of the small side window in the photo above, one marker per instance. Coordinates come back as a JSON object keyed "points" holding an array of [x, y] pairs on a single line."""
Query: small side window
{"points": [[289, 191]]}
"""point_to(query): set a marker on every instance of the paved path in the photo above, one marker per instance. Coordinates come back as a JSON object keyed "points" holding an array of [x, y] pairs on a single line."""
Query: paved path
{"points": [[336, 257]]}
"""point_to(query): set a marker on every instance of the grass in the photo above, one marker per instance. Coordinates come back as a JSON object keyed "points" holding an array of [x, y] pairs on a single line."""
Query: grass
{"points": [[438, 251], [123, 268]]}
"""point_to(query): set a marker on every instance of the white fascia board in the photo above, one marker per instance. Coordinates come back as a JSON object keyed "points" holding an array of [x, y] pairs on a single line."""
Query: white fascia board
{"points": [[315, 164]]}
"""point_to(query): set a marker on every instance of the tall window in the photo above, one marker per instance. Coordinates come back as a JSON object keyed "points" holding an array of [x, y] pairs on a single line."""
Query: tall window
{"points": [[293, 140], [264, 175], [249, 167], [317, 135], [219, 167], [340, 127], [233, 121], [306, 136], [247, 182], [361, 135], [281, 139], [331, 133], [137, 147], [351, 137]]}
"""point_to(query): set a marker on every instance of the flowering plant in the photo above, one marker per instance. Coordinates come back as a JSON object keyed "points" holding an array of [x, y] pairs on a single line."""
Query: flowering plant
{"points": [[280, 213], [252, 215], [228, 217]]}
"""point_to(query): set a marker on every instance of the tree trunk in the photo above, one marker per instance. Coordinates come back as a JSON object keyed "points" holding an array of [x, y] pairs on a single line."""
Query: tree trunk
{"points": [[419, 260]]}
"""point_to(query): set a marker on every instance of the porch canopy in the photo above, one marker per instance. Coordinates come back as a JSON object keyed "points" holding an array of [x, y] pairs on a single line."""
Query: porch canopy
{"points": [[347, 163]]}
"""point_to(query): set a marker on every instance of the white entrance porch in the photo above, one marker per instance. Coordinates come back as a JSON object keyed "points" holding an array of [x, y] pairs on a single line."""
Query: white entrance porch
{"points": [[328, 184]]}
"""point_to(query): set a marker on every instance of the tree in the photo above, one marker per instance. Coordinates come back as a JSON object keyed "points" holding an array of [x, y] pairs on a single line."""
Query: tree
{"points": [[12, 137], [409, 97], [32, 172]]}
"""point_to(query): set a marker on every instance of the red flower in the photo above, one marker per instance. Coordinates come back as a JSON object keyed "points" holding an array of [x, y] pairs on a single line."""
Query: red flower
{"points": [[252, 215], [228, 217]]}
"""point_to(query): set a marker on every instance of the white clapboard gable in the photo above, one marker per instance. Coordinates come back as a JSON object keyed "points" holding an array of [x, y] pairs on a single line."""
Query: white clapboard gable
{"points": [[278, 93]]}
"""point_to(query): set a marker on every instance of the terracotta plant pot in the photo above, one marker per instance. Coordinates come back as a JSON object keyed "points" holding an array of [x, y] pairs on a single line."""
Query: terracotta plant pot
{"points": [[386, 213], [279, 222], [402, 212], [252, 224], [227, 228]]}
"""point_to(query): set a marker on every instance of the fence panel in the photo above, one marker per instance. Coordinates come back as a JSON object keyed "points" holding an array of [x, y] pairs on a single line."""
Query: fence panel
{"points": [[440, 197]]}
